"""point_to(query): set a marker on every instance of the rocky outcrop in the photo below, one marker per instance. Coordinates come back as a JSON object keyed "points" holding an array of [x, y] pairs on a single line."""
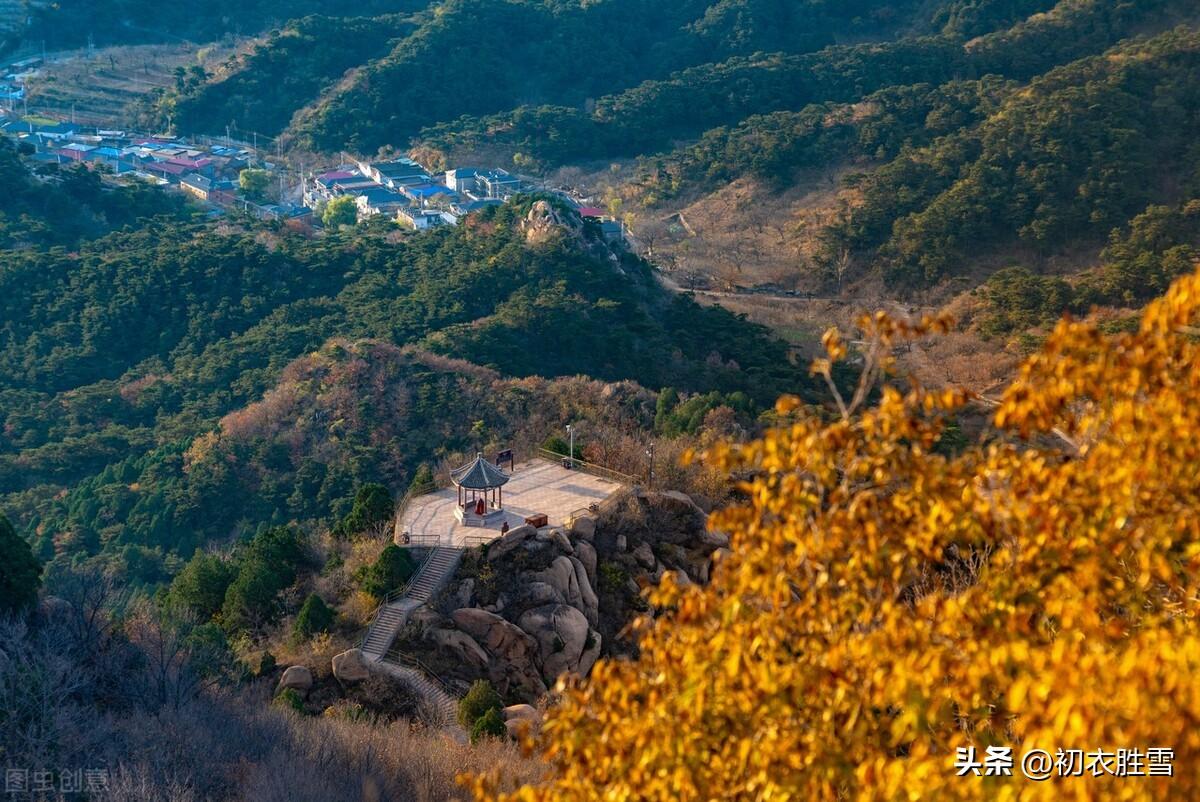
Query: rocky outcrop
{"points": [[536, 604], [460, 645], [515, 651], [543, 223], [351, 666], [569, 579], [501, 547], [586, 554], [561, 632], [583, 527], [298, 678]]}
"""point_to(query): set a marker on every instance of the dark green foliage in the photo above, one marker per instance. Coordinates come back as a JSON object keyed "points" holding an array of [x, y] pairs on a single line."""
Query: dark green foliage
{"points": [[561, 445], [391, 571], [288, 70], [116, 361], [489, 725], [315, 616], [73, 23], [481, 699], [1142, 260], [291, 699], [687, 416], [267, 564], [668, 399], [1076, 153], [70, 204], [1020, 299], [373, 505], [201, 586], [422, 478], [20, 572]]}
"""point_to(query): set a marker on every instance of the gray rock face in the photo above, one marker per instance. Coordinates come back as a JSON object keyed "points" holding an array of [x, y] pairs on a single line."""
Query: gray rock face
{"points": [[584, 527], [586, 553], [569, 578], [622, 543], [297, 678], [351, 666], [465, 593], [538, 593], [461, 645], [424, 617], [716, 540], [645, 556], [516, 652], [587, 595], [590, 654], [508, 542], [560, 631], [559, 539]]}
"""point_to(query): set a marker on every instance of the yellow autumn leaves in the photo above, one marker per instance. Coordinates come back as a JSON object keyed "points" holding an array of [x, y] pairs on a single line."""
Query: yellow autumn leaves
{"points": [[886, 603]]}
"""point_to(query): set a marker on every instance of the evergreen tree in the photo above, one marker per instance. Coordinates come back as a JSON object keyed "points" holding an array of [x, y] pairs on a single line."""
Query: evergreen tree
{"points": [[20, 573]]}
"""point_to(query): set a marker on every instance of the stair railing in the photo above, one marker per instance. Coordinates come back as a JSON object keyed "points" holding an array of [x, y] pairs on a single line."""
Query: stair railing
{"points": [[395, 595]]}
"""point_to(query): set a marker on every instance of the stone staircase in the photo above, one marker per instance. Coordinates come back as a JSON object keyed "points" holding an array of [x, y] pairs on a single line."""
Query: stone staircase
{"points": [[441, 707], [433, 574]]}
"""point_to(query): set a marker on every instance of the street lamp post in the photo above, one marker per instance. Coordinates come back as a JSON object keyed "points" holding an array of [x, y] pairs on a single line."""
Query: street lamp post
{"points": [[650, 477], [571, 448]]}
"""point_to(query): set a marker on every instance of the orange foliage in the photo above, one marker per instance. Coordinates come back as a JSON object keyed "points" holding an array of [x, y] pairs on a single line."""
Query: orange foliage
{"points": [[885, 604]]}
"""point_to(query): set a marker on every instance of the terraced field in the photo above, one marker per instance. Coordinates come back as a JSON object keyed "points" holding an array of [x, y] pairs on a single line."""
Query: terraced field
{"points": [[100, 89]]}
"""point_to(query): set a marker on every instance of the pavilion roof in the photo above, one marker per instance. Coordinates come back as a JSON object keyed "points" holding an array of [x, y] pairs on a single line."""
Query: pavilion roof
{"points": [[479, 475]]}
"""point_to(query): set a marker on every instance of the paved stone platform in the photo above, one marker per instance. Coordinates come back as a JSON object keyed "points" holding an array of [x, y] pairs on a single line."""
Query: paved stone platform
{"points": [[538, 486]]}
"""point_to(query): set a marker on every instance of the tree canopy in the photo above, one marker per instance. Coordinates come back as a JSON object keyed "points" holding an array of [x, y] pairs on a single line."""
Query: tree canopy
{"points": [[20, 572], [885, 604]]}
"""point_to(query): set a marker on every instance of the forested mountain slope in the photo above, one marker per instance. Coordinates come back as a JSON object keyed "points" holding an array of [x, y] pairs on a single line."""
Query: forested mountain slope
{"points": [[117, 356], [73, 23]]}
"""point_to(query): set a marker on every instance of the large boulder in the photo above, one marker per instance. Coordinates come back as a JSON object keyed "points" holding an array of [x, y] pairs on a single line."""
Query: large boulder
{"points": [[561, 633], [520, 720], [298, 678], [516, 652], [586, 553], [351, 666], [561, 541], [583, 527], [465, 593], [681, 502], [569, 578], [591, 653], [587, 595], [459, 644], [645, 556], [509, 541]]}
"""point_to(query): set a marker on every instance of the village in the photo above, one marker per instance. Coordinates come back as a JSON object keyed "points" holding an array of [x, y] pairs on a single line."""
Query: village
{"points": [[227, 175]]}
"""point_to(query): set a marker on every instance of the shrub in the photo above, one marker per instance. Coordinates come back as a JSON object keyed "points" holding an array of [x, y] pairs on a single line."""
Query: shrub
{"points": [[422, 479], [314, 616], [394, 567], [489, 725], [373, 505], [480, 699], [291, 699]]}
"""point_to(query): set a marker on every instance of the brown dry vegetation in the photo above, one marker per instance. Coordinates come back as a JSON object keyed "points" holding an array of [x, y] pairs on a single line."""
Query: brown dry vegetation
{"points": [[100, 89]]}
